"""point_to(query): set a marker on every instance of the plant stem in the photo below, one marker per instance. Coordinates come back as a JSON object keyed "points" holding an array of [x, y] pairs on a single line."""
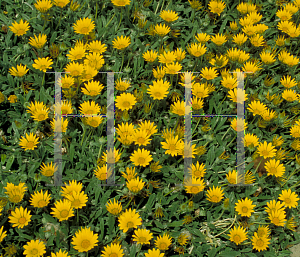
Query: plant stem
{"points": [[96, 11], [110, 20], [84, 130], [120, 20], [258, 166], [123, 53], [77, 215], [227, 228], [43, 79], [129, 202], [59, 19]]}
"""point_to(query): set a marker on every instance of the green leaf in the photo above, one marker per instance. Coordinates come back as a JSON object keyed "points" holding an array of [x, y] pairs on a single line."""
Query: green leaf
{"points": [[149, 204], [177, 223], [53, 37]]}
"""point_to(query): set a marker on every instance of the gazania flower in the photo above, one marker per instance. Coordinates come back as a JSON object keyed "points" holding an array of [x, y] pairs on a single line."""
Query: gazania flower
{"points": [[267, 58], [238, 235], [277, 217], [250, 140], [159, 90], [209, 73], [135, 185], [34, 248], [238, 125], [173, 68], [251, 67], [266, 150], [257, 40], [20, 28], [92, 88], [198, 171], [216, 6], [129, 219], [197, 50], [167, 57], [141, 137], [169, 16], [121, 42], [202, 38], [40, 114], [179, 108], [180, 54], [20, 71], [295, 131], [43, 5], [113, 156], [244, 207], [159, 73], [194, 185], [84, 240], [172, 145], [150, 56], [250, 30], [101, 172], [229, 82], [219, 62], [161, 30], [59, 128], [15, 193], [3, 234], [218, 39], [76, 53], [233, 25], [125, 101], [289, 198], [237, 95], [129, 174], [141, 157], [274, 206], [61, 3], [149, 127], [197, 103], [66, 82], [96, 46], [163, 242], [215, 194], [122, 85], [154, 253], [71, 188], [60, 253], [77, 199], [263, 231], [88, 107], [74, 69], [246, 21], [274, 167], [84, 26], [257, 107], [285, 26], [48, 170], [290, 95], [113, 249], [260, 243], [38, 42], [120, 3], [94, 121], [42, 64], [20, 217], [288, 82], [94, 60], [142, 236], [114, 207], [30, 142], [284, 15], [63, 210], [40, 199]]}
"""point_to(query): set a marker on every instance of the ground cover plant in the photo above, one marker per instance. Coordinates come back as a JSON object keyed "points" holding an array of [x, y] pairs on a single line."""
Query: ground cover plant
{"points": [[157, 50]]}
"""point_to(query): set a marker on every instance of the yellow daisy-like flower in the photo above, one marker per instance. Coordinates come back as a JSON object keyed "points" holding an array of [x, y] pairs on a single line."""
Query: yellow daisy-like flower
{"points": [[12, 99], [196, 50], [40, 114], [34, 248], [66, 82], [172, 145], [180, 54], [40, 199], [289, 198], [162, 29], [3, 234], [237, 235], [114, 208], [233, 25], [150, 127], [96, 47], [89, 107], [251, 67], [215, 194], [77, 199], [246, 21], [92, 88], [141, 157], [38, 42], [142, 236], [197, 103], [125, 101], [238, 127], [30, 142], [194, 185], [209, 73], [229, 82], [64, 108], [141, 137], [76, 53], [295, 131], [43, 5], [216, 6], [290, 95], [113, 156], [267, 58], [84, 240], [120, 3], [42, 64], [288, 82], [167, 57], [94, 60], [159, 73], [135, 185], [63, 210], [71, 188], [122, 85], [244, 207], [63, 125], [198, 171], [268, 115], [169, 16], [154, 252], [266, 150], [121, 42], [129, 174], [257, 40], [74, 69], [113, 250], [15, 193], [274, 206], [202, 38], [94, 121], [20, 217], [273, 167], [20, 71], [237, 93], [48, 170], [101, 172], [159, 89], [263, 231], [173, 68], [250, 140], [257, 108], [84, 26], [150, 56], [284, 15], [61, 3], [60, 254], [277, 217], [179, 108], [219, 39], [129, 219], [20, 28], [163, 242], [260, 243]]}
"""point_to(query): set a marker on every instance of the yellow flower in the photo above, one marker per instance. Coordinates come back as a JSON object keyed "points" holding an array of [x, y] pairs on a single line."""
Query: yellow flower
{"points": [[280, 41], [88, 107], [290, 95], [209, 73], [135, 185], [141, 157], [40, 199], [277, 217], [94, 60], [48, 170], [288, 82], [84, 240], [238, 235], [250, 140], [284, 15], [76, 53], [159, 73], [240, 39], [20, 28], [60, 253], [216, 6], [172, 145], [92, 88], [20, 71], [121, 42], [233, 25], [42, 64], [273, 206], [267, 58], [63, 125], [260, 243], [150, 56], [120, 3], [266, 150], [163, 242], [34, 248], [125, 101], [194, 185], [43, 5], [218, 39], [167, 57], [70, 188], [3, 234], [173, 68], [30, 142], [12, 99], [197, 50], [129, 219], [180, 54], [179, 108], [63, 210], [77, 199], [113, 249], [246, 21], [274, 167], [169, 16], [96, 47], [250, 30], [295, 131], [114, 207], [142, 236], [20, 217], [289, 198], [237, 95], [74, 69], [122, 85], [161, 30], [159, 89], [40, 114], [229, 82], [244, 207], [257, 108], [257, 40], [15, 193], [61, 3], [197, 103], [202, 38], [215, 194], [251, 67], [84, 26], [38, 42]]}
